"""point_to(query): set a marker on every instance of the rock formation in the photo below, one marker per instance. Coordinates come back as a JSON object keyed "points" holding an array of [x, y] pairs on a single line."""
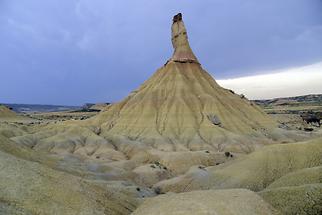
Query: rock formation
{"points": [[182, 51], [181, 107]]}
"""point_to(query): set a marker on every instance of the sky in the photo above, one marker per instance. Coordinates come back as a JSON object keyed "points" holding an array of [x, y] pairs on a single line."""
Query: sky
{"points": [[78, 51], [278, 83]]}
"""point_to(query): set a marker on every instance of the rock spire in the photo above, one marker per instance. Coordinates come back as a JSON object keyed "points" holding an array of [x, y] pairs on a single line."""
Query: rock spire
{"points": [[182, 51]]}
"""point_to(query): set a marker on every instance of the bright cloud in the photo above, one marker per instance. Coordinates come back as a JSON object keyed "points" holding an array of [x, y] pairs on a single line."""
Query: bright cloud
{"points": [[281, 83]]}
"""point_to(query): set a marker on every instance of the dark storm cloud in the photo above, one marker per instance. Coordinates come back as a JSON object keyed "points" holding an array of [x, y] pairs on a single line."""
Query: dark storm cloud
{"points": [[76, 51]]}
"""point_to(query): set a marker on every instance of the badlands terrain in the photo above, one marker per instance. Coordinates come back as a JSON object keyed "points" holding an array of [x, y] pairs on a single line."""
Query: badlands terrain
{"points": [[179, 144]]}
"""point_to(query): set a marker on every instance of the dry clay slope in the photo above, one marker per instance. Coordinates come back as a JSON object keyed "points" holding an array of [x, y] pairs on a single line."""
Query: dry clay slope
{"points": [[182, 107], [217, 202], [288, 176], [255, 171], [6, 112], [28, 187]]}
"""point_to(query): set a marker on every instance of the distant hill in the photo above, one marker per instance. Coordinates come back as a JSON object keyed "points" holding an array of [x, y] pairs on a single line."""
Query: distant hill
{"points": [[6, 112], [29, 108], [313, 100]]}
